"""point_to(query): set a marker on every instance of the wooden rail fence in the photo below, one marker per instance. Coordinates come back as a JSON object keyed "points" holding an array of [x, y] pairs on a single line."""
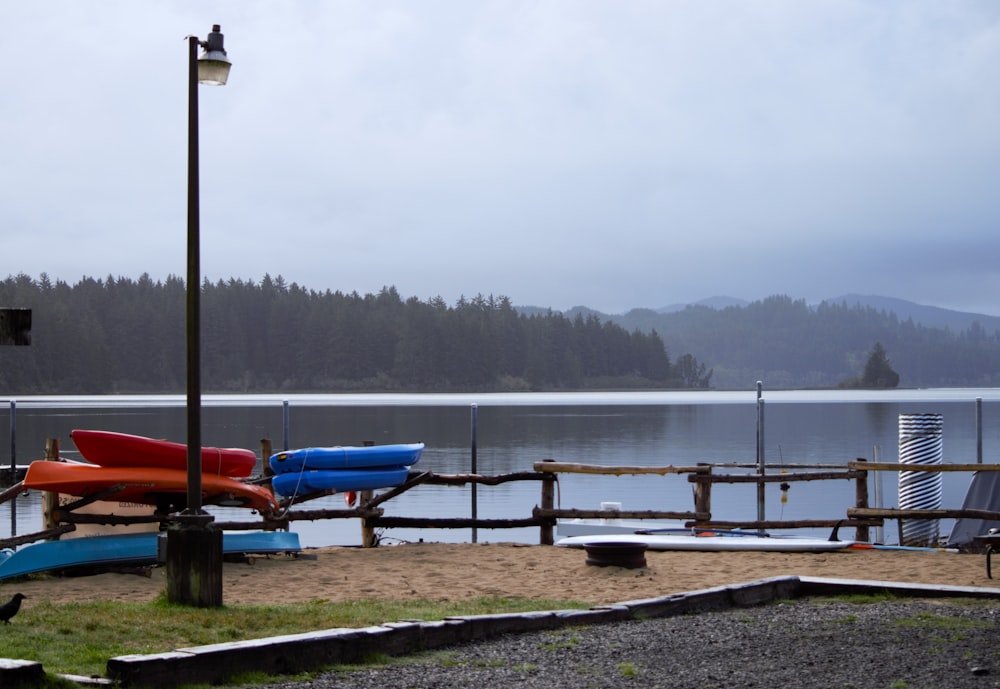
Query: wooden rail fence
{"points": [[865, 512], [62, 518]]}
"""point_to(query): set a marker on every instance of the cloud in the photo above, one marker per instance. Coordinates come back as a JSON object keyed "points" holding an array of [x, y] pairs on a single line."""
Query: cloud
{"points": [[560, 153]]}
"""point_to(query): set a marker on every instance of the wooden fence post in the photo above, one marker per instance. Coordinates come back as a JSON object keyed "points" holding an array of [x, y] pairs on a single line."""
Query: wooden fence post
{"points": [[266, 450], [545, 536], [703, 490], [861, 500]]}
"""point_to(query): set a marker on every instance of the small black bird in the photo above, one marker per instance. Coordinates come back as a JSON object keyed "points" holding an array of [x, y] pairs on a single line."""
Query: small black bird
{"points": [[10, 608]]}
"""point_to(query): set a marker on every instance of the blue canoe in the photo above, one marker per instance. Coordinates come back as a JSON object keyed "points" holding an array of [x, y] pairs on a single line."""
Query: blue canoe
{"points": [[340, 480], [127, 549], [346, 457]]}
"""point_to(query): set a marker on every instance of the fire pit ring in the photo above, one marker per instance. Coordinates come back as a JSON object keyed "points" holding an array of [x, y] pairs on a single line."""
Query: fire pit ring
{"points": [[616, 554]]}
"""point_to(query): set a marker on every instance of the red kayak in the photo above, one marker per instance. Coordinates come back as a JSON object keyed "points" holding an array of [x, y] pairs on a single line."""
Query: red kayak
{"points": [[144, 485], [109, 449]]}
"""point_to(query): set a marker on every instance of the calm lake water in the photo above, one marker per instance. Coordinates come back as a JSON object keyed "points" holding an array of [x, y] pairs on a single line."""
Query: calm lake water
{"points": [[513, 431]]}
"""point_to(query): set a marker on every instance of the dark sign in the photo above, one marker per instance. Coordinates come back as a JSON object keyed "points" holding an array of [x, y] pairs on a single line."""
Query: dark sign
{"points": [[15, 326]]}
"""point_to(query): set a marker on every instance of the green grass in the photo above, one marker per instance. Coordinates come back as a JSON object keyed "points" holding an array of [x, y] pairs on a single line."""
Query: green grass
{"points": [[79, 638], [927, 620], [566, 641], [628, 669]]}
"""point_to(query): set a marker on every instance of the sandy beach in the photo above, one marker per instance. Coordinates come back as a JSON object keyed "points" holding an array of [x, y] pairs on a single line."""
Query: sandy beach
{"points": [[439, 571]]}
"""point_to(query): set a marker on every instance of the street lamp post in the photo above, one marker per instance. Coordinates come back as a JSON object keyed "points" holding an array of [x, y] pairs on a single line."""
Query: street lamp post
{"points": [[211, 68], [194, 551]]}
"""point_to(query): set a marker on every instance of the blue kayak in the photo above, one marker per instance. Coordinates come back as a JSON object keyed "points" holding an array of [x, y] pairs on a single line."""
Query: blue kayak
{"points": [[126, 549], [346, 457], [340, 480]]}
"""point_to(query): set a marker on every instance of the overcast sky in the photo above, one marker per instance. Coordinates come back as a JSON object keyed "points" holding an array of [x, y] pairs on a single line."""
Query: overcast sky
{"points": [[578, 152]]}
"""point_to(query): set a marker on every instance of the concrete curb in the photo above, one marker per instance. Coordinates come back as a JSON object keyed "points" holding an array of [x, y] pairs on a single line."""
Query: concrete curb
{"points": [[818, 586], [310, 651], [295, 653], [15, 673]]}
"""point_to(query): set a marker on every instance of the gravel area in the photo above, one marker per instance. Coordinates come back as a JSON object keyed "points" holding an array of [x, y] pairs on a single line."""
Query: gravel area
{"points": [[805, 644]]}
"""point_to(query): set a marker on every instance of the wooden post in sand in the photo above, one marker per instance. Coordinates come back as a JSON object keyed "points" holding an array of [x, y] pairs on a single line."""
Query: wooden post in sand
{"points": [[368, 539], [50, 500], [191, 577]]}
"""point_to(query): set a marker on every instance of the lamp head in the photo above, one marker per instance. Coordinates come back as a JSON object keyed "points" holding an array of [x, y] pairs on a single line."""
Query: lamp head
{"points": [[213, 65]]}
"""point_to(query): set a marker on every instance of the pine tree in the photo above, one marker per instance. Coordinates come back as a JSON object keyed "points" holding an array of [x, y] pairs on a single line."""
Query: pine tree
{"points": [[878, 370]]}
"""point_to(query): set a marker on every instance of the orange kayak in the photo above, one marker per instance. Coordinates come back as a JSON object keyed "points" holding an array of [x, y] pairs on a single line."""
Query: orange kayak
{"points": [[144, 485], [110, 449]]}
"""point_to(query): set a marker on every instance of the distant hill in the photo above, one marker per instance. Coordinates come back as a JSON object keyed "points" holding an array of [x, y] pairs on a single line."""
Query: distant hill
{"points": [[932, 316], [789, 343], [711, 302]]}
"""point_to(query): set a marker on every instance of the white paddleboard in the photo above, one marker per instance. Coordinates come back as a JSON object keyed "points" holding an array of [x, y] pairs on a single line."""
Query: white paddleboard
{"points": [[589, 527], [790, 544]]}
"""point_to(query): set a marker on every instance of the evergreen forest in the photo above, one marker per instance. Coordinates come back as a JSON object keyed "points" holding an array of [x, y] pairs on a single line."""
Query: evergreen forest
{"points": [[104, 336], [115, 336]]}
